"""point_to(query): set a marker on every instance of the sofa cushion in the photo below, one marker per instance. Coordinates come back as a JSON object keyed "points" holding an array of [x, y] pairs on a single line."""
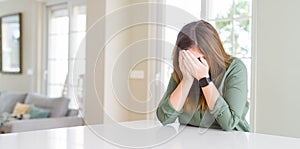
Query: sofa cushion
{"points": [[58, 107], [21, 108], [36, 112], [8, 101]]}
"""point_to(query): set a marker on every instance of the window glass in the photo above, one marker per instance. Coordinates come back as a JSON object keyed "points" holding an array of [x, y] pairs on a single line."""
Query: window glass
{"points": [[66, 53]]}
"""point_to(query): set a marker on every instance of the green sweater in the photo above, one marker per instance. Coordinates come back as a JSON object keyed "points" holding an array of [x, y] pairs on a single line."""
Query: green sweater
{"points": [[230, 109]]}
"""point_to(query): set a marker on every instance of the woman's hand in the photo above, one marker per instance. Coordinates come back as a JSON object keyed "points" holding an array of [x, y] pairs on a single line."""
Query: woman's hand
{"points": [[179, 95], [185, 73], [196, 68]]}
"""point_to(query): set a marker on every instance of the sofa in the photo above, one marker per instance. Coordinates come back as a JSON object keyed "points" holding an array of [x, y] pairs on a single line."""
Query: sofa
{"points": [[59, 115]]}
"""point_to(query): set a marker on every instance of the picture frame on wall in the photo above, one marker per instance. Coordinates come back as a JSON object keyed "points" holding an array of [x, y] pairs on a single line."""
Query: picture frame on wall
{"points": [[11, 43]]}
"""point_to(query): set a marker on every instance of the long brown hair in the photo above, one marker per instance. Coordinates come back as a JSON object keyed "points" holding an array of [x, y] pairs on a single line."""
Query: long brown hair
{"points": [[203, 35]]}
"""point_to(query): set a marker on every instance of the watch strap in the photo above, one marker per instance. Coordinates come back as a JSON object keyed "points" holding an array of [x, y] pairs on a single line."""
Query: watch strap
{"points": [[204, 81]]}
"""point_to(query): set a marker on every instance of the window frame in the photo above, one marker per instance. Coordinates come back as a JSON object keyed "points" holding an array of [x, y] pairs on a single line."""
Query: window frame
{"points": [[47, 7]]}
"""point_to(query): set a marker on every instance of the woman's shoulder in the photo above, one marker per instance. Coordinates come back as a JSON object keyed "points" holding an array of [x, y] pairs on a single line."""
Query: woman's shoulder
{"points": [[236, 66], [236, 63]]}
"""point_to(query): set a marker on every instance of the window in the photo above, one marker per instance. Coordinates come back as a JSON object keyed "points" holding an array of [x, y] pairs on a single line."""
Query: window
{"points": [[231, 18], [58, 46], [65, 52]]}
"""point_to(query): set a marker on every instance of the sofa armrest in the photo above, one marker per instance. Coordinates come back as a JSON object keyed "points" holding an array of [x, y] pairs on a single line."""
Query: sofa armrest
{"points": [[45, 123], [72, 112]]}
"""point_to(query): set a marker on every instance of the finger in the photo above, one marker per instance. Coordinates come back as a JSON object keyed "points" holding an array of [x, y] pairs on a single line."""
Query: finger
{"points": [[180, 61], [188, 65], [194, 62], [204, 61], [180, 57], [193, 57], [187, 59], [188, 56], [193, 67]]}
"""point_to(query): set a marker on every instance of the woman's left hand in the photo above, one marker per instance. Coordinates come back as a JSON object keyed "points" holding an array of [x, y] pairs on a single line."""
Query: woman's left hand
{"points": [[197, 69]]}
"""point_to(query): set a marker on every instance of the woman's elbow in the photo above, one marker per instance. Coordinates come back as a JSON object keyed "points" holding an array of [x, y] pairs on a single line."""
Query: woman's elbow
{"points": [[227, 128], [166, 121], [230, 126], [163, 118]]}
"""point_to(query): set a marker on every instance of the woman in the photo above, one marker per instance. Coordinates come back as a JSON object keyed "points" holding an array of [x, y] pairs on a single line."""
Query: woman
{"points": [[205, 80]]}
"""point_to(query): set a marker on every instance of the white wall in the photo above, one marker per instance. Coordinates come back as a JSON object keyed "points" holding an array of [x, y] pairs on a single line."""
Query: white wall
{"points": [[23, 82], [95, 38], [99, 85], [278, 73], [114, 47], [120, 54]]}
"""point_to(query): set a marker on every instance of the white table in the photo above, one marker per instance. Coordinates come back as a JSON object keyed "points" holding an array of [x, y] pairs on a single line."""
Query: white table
{"points": [[141, 134]]}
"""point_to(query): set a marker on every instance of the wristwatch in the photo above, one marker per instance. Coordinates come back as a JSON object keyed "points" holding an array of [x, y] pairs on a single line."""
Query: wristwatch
{"points": [[204, 81]]}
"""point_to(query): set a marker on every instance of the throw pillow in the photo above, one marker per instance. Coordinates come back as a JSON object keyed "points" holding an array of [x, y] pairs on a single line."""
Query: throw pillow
{"points": [[36, 112], [21, 108]]}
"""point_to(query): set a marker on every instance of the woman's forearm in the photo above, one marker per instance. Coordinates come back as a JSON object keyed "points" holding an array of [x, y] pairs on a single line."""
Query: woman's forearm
{"points": [[178, 97], [211, 95]]}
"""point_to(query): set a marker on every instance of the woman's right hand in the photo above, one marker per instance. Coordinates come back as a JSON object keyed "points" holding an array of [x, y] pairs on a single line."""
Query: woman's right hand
{"points": [[179, 95], [185, 73]]}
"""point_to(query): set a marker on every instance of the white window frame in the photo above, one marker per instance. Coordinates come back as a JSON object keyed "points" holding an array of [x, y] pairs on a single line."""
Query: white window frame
{"points": [[68, 4], [253, 66]]}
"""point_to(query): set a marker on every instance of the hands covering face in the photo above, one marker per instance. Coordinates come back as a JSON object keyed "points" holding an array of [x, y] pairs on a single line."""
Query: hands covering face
{"points": [[191, 66]]}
